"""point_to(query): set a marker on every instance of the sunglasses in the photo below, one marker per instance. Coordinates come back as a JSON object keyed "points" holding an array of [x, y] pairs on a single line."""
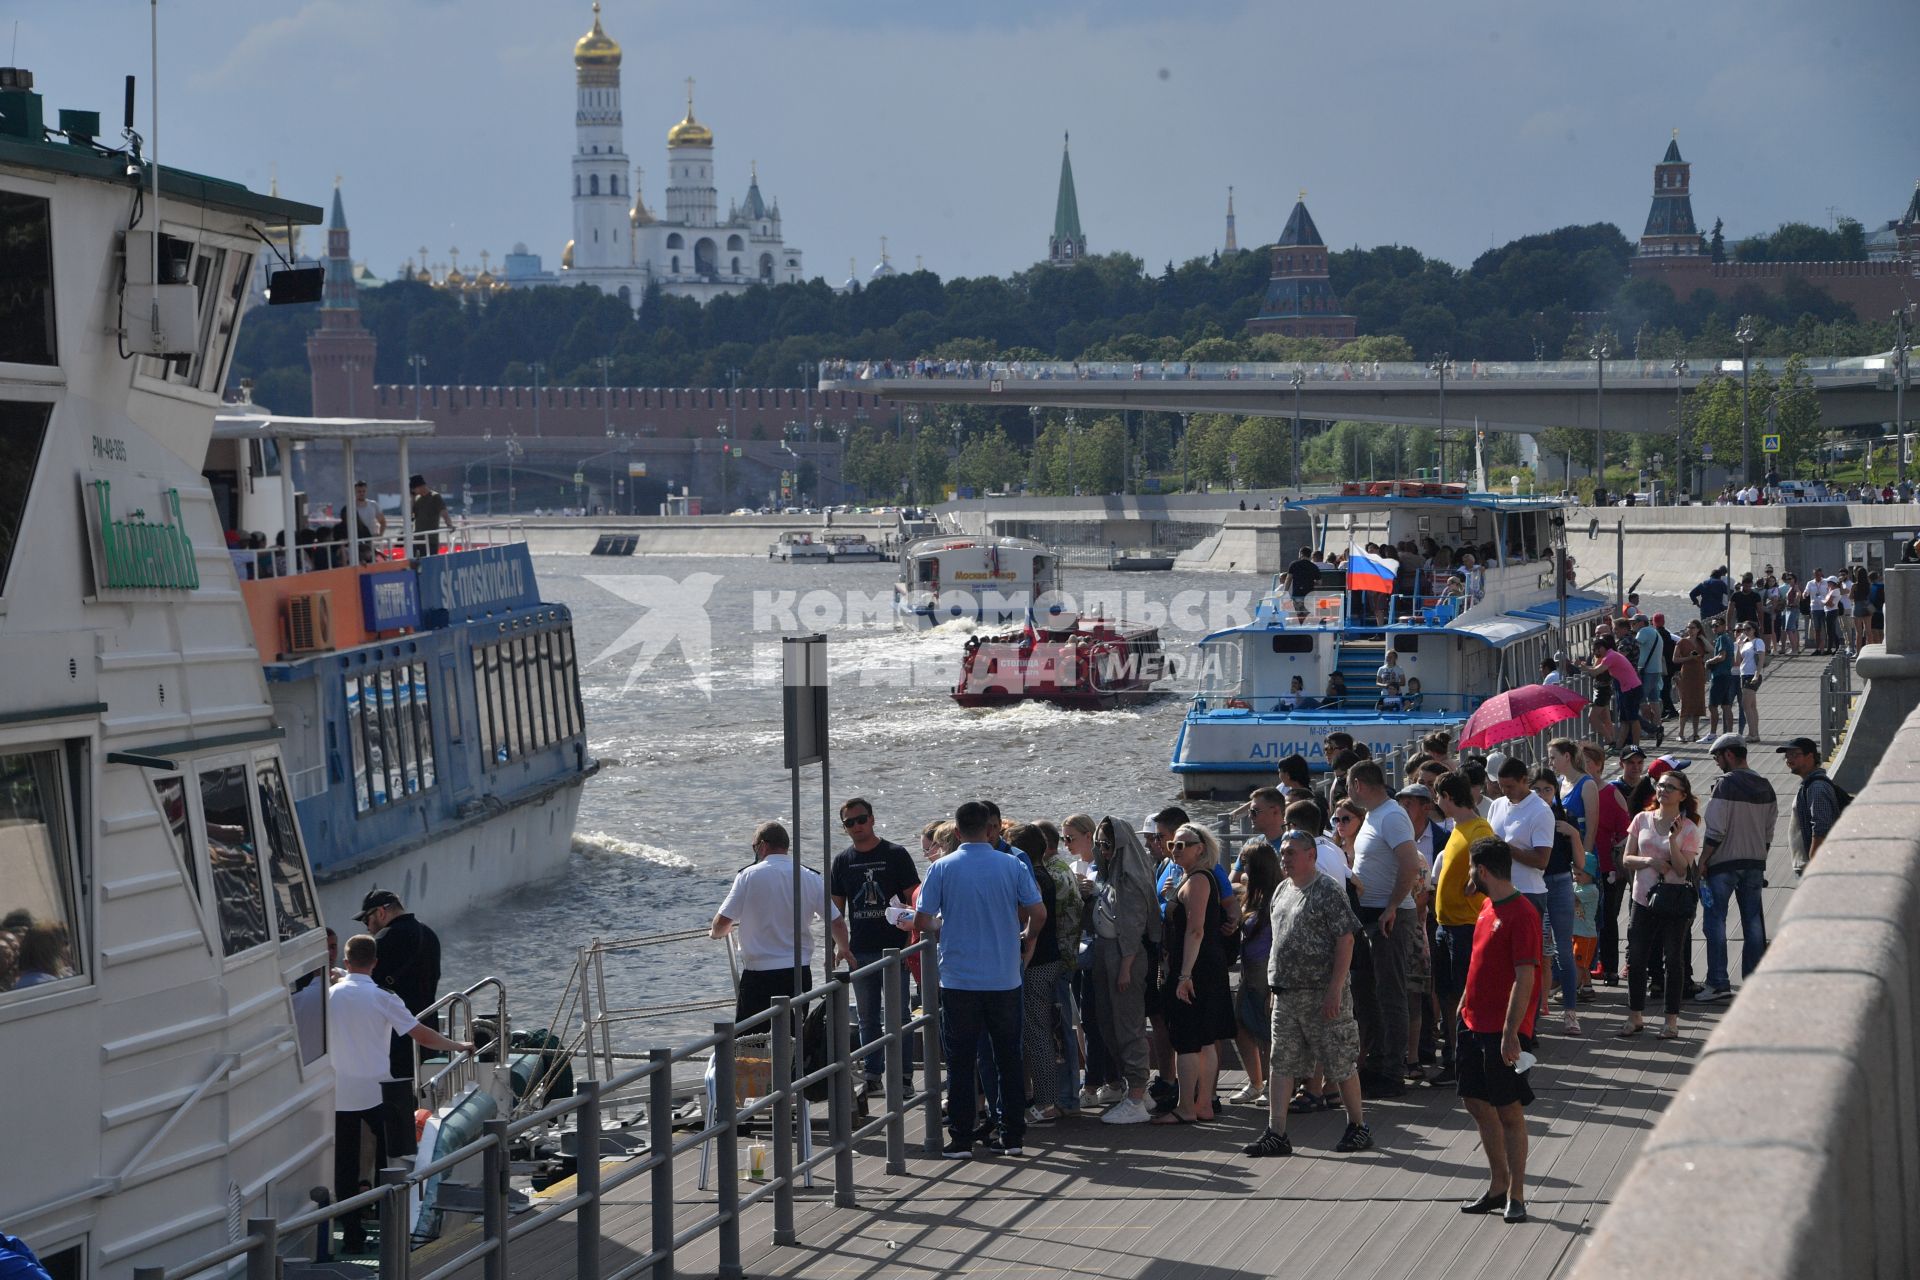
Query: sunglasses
{"points": [[1339, 818], [858, 819], [1181, 844]]}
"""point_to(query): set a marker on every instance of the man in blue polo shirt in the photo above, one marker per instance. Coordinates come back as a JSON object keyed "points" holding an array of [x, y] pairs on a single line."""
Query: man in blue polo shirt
{"points": [[981, 902]]}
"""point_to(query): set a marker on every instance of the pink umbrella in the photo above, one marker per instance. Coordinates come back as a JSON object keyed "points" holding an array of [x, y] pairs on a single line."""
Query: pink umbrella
{"points": [[1519, 713]]}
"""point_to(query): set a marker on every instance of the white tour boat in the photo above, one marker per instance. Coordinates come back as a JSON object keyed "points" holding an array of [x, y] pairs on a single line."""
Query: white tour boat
{"points": [[986, 579]]}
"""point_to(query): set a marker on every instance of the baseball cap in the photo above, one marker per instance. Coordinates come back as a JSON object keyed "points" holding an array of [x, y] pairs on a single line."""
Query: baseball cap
{"points": [[1414, 791], [1635, 750], [1807, 745], [1728, 742], [416, 482], [1666, 764], [375, 899]]}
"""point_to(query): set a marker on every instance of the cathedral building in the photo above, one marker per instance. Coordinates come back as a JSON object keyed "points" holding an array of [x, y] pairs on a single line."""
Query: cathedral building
{"points": [[619, 245], [1068, 244]]}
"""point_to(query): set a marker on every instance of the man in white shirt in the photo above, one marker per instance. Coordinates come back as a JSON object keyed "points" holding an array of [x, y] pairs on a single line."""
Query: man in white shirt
{"points": [[760, 906], [367, 513], [361, 1019], [1526, 823], [1387, 867]]}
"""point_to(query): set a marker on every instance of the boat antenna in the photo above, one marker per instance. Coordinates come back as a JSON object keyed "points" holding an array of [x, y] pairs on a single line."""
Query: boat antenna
{"points": [[153, 148]]}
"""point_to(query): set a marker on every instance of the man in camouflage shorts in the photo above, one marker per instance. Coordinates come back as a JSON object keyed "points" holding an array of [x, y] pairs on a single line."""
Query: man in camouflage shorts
{"points": [[1313, 1023]]}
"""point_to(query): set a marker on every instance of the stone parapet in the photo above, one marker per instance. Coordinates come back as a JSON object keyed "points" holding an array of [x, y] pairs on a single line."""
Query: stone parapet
{"points": [[1793, 1149]]}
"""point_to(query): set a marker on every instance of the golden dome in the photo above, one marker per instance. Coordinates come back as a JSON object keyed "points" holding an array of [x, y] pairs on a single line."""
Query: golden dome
{"points": [[689, 132], [453, 278], [485, 279], [596, 48], [566, 257]]}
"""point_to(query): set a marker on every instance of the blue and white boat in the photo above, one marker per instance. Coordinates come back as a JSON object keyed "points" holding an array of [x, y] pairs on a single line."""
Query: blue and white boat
{"points": [[435, 740], [1461, 635]]}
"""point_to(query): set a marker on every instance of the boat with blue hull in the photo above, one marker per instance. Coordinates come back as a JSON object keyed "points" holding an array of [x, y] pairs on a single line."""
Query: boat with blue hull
{"points": [[435, 739], [1478, 616]]}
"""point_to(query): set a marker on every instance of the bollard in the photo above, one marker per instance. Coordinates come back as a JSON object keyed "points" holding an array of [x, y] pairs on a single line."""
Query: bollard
{"points": [[783, 1113], [586, 1180], [660, 1144], [726, 1113], [394, 1255], [263, 1258], [840, 1109], [934, 1138], [494, 1167], [891, 1016]]}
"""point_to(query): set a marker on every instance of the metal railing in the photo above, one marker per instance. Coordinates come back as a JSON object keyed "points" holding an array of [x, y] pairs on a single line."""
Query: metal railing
{"points": [[1836, 702], [379, 550], [1852, 368], [722, 1124]]}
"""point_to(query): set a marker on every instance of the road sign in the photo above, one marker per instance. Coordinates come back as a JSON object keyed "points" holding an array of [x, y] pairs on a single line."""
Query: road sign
{"points": [[1770, 444], [579, 477], [637, 470]]}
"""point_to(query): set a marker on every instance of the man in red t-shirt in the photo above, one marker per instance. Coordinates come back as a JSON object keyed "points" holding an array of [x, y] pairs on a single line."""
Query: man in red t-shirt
{"points": [[1496, 1025]]}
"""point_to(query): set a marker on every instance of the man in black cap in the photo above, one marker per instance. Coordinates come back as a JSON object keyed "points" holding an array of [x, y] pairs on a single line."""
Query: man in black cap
{"points": [[1817, 805], [430, 516], [409, 966]]}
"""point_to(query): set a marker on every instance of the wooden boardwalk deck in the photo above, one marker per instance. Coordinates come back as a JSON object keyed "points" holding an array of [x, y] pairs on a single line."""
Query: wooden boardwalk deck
{"points": [[1141, 1203]]}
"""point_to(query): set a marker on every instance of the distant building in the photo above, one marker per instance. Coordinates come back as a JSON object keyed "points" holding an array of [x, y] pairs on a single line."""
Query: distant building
{"points": [[1672, 251], [340, 352], [1233, 241], [619, 245], [1300, 301], [1068, 244]]}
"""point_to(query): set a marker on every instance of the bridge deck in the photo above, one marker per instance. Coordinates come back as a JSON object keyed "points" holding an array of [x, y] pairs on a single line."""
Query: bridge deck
{"points": [[1144, 1203]]}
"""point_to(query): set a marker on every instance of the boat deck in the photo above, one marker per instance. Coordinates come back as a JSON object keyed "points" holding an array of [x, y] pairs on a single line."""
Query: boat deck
{"points": [[1144, 1203]]}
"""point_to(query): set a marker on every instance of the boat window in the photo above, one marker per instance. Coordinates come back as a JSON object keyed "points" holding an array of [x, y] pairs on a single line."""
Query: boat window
{"points": [[23, 428], [534, 688], [356, 739], [295, 909], [310, 1015], [1406, 644], [570, 676], [171, 791], [27, 333], [231, 854], [39, 939], [483, 721], [422, 725], [456, 729], [1288, 643]]}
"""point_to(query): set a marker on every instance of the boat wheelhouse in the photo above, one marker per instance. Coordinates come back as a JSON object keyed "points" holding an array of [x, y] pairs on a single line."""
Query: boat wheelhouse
{"points": [[800, 544], [987, 579], [1478, 616], [854, 548]]}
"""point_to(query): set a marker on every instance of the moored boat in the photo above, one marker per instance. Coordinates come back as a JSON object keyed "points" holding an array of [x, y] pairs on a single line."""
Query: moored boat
{"points": [[991, 580], [800, 544]]}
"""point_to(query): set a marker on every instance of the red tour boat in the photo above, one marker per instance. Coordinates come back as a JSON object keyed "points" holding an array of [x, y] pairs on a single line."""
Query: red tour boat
{"points": [[1083, 664]]}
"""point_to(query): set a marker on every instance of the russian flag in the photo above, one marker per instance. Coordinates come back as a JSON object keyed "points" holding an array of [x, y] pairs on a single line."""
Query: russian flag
{"points": [[1370, 573]]}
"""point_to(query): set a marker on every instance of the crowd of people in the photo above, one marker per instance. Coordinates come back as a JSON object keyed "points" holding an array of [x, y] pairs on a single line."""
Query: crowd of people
{"points": [[1376, 934], [327, 544]]}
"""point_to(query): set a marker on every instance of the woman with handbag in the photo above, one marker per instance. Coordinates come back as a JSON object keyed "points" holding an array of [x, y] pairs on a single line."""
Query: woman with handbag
{"points": [[1663, 844], [1751, 654]]}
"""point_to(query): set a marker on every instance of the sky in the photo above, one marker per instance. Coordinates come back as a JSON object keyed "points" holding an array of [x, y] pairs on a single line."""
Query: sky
{"points": [[939, 126]]}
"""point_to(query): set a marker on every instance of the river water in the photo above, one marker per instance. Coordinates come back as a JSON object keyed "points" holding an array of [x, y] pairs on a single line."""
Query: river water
{"points": [[687, 771]]}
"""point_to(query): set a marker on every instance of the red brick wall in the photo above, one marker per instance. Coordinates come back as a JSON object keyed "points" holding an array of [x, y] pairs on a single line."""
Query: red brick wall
{"points": [[1872, 289]]}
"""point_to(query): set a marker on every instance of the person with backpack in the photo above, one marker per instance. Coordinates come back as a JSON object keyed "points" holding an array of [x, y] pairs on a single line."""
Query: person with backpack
{"points": [[1818, 803]]}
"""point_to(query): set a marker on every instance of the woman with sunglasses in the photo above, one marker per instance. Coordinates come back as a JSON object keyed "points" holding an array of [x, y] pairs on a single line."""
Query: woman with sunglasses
{"points": [[1198, 999], [1662, 846]]}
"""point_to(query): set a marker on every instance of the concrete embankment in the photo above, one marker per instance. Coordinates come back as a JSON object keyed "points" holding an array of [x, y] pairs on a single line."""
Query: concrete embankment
{"points": [[689, 535]]}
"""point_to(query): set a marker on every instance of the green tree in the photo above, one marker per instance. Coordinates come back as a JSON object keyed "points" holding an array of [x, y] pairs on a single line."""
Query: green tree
{"points": [[1262, 448], [929, 467], [988, 461]]}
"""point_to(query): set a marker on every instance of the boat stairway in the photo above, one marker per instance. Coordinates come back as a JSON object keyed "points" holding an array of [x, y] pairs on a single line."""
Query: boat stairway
{"points": [[1357, 661]]}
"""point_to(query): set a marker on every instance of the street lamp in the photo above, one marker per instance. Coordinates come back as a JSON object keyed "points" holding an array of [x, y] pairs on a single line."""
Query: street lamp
{"points": [[418, 362], [1298, 379], [1439, 365], [724, 447], [1745, 335], [1186, 471], [1680, 372], [1902, 322], [539, 371], [606, 405], [1071, 419], [1599, 352]]}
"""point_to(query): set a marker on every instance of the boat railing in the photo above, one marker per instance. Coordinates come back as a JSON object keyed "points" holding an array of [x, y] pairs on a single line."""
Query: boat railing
{"points": [[460, 1072], [328, 549], [1425, 704], [785, 1080]]}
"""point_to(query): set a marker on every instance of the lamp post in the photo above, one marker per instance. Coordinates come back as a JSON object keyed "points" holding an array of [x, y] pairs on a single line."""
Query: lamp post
{"points": [[1072, 418], [1680, 372], [1745, 335], [418, 362], [539, 371], [1599, 352], [1439, 365], [1902, 320], [1186, 471], [606, 405], [1298, 379]]}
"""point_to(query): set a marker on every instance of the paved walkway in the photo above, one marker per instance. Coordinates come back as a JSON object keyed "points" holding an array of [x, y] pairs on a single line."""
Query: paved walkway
{"points": [[1145, 1203]]}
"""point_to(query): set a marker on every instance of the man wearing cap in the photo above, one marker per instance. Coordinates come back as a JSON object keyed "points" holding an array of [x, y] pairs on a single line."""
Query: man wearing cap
{"points": [[408, 965], [1816, 806], [429, 517], [366, 512], [1740, 814]]}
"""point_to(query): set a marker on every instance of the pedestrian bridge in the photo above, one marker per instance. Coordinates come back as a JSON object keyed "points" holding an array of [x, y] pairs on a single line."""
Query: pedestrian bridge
{"points": [[1635, 396]]}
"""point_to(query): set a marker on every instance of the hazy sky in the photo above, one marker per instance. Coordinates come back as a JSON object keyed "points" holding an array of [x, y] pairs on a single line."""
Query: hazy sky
{"points": [[939, 125]]}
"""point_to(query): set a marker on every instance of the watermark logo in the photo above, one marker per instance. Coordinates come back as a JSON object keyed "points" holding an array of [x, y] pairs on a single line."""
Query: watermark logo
{"points": [[672, 612]]}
